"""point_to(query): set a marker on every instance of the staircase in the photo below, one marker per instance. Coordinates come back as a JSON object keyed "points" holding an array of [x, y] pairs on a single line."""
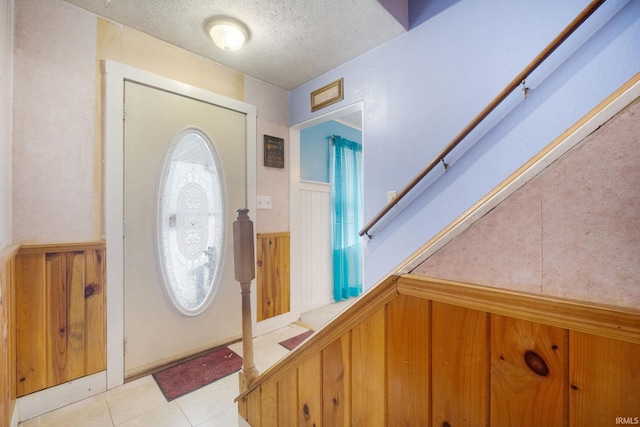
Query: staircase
{"points": [[559, 346], [416, 351]]}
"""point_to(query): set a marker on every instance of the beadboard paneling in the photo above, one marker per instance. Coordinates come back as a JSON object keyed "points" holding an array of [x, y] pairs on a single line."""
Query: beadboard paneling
{"points": [[316, 264]]}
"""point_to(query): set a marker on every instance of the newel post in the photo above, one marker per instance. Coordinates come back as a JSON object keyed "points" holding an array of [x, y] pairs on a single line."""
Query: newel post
{"points": [[245, 273]]}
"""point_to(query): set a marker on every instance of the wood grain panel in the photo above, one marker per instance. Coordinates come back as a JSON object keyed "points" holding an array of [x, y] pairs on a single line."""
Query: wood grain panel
{"points": [[50, 248], [613, 322], [336, 382], [56, 285], [403, 349], [242, 405], [273, 277], [95, 313], [61, 324], [288, 400], [31, 304], [528, 373], [368, 371], [604, 378], [408, 356], [367, 304], [460, 364], [254, 409], [269, 392], [75, 315], [12, 333], [310, 392], [5, 366], [7, 339], [65, 341]]}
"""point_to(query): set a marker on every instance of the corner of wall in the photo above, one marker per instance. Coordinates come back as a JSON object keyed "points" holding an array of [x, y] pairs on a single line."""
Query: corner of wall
{"points": [[6, 119], [399, 9]]}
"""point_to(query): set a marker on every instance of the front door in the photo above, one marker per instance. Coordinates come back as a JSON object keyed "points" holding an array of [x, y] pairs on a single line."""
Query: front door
{"points": [[160, 323]]}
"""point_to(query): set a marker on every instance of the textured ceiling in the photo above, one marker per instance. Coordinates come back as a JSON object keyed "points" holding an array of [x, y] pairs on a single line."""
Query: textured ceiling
{"points": [[290, 42]]}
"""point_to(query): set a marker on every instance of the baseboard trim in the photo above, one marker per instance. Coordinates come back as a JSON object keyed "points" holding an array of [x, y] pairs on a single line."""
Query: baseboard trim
{"points": [[50, 399]]}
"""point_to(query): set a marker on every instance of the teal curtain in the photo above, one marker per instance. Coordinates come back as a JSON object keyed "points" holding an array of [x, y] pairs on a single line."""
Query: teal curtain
{"points": [[347, 217]]}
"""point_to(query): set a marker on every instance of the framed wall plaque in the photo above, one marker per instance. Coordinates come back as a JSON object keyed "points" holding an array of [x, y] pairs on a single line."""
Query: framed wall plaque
{"points": [[273, 152], [327, 95]]}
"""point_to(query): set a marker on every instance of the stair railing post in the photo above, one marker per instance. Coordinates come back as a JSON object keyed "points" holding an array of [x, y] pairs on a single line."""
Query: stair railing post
{"points": [[245, 272]]}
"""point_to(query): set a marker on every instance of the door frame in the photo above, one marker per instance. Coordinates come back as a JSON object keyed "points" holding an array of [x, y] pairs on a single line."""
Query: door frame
{"points": [[115, 76], [294, 185]]}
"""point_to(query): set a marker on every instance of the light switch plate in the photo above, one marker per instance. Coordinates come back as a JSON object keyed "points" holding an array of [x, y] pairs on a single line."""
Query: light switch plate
{"points": [[264, 202]]}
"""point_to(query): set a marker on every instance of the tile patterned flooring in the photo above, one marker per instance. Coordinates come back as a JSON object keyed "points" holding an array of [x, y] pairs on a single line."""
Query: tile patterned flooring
{"points": [[141, 403]]}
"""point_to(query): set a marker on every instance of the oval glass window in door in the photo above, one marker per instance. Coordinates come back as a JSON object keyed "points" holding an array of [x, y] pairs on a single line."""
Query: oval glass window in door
{"points": [[190, 224]]}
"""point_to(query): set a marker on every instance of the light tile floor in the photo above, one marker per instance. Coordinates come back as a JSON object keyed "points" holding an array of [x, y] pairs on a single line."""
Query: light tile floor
{"points": [[141, 403]]}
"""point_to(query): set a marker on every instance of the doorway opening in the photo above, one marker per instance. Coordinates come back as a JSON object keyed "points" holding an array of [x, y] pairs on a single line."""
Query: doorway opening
{"points": [[312, 206]]}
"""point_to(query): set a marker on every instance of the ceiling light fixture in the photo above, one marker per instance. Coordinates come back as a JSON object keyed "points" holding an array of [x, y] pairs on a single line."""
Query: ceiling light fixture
{"points": [[227, 33]]}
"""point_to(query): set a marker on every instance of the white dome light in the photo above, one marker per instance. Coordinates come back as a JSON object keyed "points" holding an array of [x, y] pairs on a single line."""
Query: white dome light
{"points": [[227, 33]]}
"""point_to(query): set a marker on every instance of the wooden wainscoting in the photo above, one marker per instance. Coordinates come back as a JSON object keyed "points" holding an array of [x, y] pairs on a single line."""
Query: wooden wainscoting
{"points": [[273, 277], [60, 302], [420, 351], [7, 337]]}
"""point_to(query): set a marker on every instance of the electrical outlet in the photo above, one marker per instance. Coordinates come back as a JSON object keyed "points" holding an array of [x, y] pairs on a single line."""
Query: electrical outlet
{"points": [[264, 202]]}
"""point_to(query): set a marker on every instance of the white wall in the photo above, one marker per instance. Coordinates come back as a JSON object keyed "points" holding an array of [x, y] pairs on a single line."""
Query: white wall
{"points": [[6, 69], [57, 152], [273, 110], [53, 122]]}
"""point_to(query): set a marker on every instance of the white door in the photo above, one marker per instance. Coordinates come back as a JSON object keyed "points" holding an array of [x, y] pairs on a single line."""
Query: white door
{"points": [[157, 328]]}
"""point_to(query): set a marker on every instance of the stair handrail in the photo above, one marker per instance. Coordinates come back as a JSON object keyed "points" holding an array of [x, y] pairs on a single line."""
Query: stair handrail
{"points": [[517, 81]]}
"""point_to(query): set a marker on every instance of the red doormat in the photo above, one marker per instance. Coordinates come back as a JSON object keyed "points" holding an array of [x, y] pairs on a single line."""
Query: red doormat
{"points": [[292, 343], [193, 374]]}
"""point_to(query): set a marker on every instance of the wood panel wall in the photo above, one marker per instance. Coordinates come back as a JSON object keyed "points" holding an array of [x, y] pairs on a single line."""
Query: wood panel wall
{"points": [[273, 275], [418, 351], [7, 337], [61, 325]]}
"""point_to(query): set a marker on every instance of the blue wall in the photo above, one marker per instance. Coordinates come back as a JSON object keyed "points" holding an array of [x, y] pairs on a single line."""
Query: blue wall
{"points": [[420, 89], [315, 150]]}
